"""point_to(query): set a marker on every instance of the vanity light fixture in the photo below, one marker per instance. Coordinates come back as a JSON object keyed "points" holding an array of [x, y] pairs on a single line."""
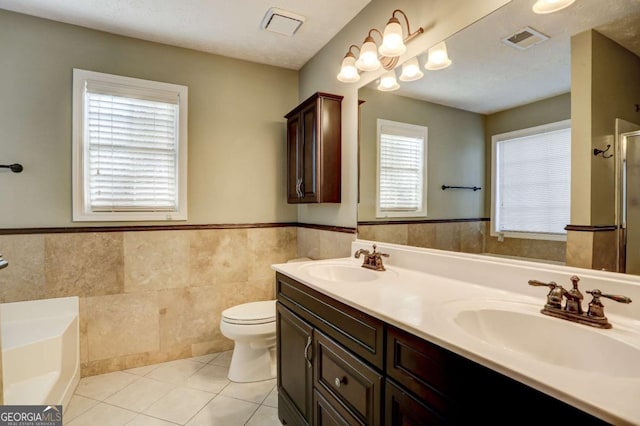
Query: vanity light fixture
{"points": [[388, 82], [438, 58], [411, 70], [550, 6], [371, 58]]}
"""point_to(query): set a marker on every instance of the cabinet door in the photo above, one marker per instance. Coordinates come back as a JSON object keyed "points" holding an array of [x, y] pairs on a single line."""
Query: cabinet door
{"points": [[402, 409], [308, 152], [295, 338], [293, 173]]}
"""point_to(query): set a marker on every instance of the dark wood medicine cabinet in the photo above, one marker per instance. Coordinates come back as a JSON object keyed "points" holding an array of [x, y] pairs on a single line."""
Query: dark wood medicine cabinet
{"points": [[314, 140]]}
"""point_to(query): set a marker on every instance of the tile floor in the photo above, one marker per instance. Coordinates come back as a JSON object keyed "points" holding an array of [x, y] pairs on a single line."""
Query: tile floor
{"points": [[192, 391]]}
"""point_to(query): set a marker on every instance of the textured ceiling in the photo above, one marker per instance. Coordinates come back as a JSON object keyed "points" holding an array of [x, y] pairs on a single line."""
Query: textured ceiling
{"points": [[488, 76], [225, 27]]}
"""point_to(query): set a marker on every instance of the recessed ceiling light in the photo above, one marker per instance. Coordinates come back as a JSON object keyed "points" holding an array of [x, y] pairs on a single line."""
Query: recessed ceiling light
{"points": [[550, 6]]}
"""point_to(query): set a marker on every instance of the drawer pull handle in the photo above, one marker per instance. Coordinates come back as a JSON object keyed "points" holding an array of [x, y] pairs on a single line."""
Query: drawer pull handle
{"points": [[307, 356], [339, 382]]}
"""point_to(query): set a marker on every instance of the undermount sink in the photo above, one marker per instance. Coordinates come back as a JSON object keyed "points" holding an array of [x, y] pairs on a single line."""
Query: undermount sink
{"points": [[521, 328], [340, 272]]}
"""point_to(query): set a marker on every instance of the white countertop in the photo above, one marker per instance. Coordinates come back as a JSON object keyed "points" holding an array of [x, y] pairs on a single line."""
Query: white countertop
{"points": [[425, 305]]}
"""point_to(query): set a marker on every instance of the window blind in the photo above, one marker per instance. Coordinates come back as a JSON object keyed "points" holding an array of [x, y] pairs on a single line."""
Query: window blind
{"points": [[401, 157], [533, 183], [132, 152]]}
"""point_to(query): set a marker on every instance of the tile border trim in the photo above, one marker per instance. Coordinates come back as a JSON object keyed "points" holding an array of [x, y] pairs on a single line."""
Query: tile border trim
{"points": [[135, 228], [413, 222]]}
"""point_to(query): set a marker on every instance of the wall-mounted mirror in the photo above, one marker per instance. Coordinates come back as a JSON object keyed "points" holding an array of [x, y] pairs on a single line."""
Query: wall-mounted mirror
{"points": [[511, 71]]}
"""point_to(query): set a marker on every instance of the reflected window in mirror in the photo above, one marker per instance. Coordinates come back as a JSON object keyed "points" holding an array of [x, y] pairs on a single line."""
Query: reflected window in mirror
{"points": [[402, 160], [531, 180]]}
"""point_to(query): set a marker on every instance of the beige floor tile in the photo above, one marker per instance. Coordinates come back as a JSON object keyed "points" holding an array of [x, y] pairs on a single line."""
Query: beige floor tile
{"points": [[179, 405], [140, 394], [223, 359], [144, 370], [103, 386], [224, 411], [264, 416], [272, 399], [175, 371], [251, 392], [77, 406], [210, 378], [204, 358], [142, 420], [104, 415]]}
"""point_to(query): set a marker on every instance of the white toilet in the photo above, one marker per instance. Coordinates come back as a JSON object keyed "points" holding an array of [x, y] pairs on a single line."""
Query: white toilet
{"points": [[252, 326]]}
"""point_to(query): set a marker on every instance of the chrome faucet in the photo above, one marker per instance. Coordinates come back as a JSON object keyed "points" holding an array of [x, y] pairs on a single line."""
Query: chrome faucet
{"points": [[572, 309], [371, 260], [3, 263]]}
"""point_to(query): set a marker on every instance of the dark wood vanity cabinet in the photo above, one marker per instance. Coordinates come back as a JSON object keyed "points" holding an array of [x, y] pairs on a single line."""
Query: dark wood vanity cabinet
{"points": [[340, 366], [314, 132], [345, 359]]}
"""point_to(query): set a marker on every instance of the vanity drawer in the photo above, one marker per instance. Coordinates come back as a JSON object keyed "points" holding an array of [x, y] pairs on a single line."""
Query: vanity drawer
{"points": [[350, 381], [358, 332]]}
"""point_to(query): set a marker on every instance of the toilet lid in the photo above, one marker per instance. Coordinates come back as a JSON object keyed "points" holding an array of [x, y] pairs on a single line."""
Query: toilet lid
{"points": [[251, 313]]}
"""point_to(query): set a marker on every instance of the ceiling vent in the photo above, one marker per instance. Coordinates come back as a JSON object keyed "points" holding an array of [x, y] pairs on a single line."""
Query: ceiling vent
{"points": [[525, 38], [281, 22]]}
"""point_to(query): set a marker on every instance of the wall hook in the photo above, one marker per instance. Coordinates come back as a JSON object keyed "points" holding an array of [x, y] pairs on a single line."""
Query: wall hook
{"points": [[597, 152], [15, 168]]}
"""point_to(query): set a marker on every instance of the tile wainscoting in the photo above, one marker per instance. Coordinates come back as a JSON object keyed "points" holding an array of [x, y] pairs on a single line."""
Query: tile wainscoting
{"points": [[155, 295], [462, 235]]}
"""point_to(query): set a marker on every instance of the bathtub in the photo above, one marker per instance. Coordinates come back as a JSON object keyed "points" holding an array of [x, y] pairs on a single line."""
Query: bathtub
{"points": [[40, 351]]}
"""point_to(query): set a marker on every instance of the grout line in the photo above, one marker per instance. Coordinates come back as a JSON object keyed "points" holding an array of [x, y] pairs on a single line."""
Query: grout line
{"points": [[203, 407], [252, 414]]}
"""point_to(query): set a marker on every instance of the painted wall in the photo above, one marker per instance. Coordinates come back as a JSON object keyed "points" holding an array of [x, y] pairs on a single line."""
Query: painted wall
{"points": [[440, 18], [455, 153], [605, 84], [237, 150]]}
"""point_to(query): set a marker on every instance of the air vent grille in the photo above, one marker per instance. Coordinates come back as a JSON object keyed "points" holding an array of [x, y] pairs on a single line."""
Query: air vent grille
{"points": [[282, 22], [525, 38]]}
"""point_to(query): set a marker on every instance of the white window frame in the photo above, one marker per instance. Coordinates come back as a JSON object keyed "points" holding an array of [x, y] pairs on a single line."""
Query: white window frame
{"points": [[412, 128], [135, 88], [559, 125]]}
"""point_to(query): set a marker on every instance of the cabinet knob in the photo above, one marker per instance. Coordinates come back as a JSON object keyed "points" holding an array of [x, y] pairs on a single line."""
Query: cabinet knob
{"points": [[340, 381]]}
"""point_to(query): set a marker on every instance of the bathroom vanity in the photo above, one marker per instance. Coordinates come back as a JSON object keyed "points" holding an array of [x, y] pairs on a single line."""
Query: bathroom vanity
{"points": [[363, 347]]}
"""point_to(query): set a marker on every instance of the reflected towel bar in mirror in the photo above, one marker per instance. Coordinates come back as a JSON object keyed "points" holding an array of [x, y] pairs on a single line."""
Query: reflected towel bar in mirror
{"points": [[15, 168], [474, 188]]}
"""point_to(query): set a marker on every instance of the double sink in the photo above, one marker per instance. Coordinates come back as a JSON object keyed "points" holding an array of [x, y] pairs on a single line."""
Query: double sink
{"points": [[509, 328]]}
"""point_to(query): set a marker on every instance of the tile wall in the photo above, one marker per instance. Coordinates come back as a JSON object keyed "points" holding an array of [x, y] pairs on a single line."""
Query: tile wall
{"points": [[455, 236], [146, 296]]}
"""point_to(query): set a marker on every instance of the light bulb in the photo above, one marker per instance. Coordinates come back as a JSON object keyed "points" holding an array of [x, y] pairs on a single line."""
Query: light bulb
{"points": [[392, 42], [411, 70], [348, 70], [368, 60], [438, 57], [388, 82]]}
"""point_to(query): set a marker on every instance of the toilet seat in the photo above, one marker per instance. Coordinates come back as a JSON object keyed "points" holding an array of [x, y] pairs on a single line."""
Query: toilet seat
{"points": [[251, 313]]}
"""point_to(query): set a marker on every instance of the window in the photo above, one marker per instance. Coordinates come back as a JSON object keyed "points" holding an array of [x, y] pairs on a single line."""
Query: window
{"points": [[402, 154], [129, 149], [531, 182]]}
